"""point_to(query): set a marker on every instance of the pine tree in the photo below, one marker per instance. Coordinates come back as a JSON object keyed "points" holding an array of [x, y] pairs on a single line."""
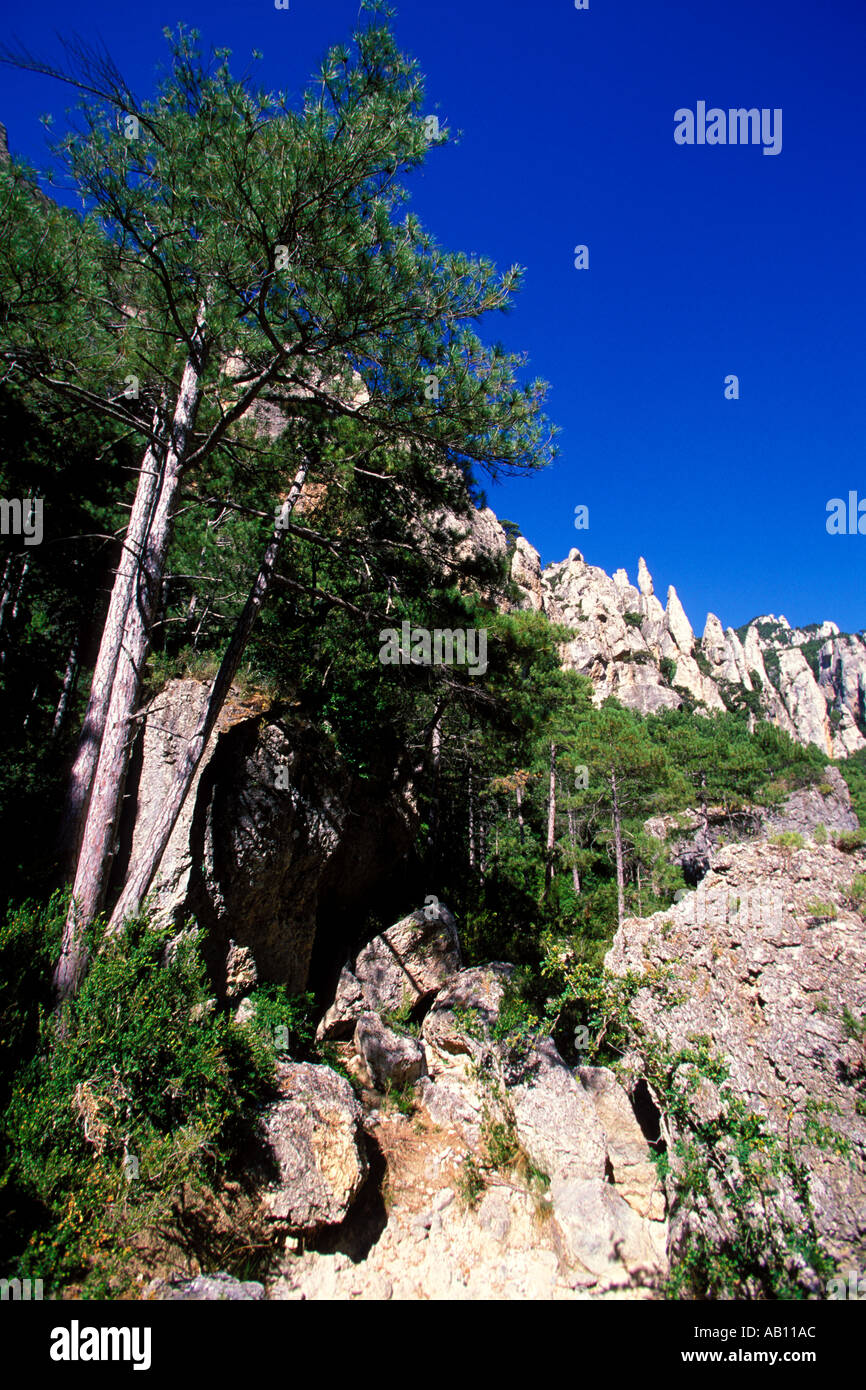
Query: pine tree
{"points": [[250, 246]]}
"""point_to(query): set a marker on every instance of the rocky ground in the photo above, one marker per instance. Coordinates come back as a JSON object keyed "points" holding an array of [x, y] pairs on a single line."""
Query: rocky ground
{"points": [[466, 1163]]}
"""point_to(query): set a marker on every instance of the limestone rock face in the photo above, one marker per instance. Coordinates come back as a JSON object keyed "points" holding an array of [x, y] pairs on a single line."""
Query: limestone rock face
{"points": [[809, 807], [526, 572], [644, 578], [725, 653], [622, 635], [409, 961], [594, 1227], [768, 959], [816, 698], [388, 1056], [691, 844], [314, 1136], [456, 1035], [635, 1175], [804, 701], [678, 624], [557, 1122], [275, 838], [555, 1118]]}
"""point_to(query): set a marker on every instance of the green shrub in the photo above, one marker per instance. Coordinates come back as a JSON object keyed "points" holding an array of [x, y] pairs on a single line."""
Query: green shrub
{"points": [[402, 1097], [788, 839], [849, 840], [285, 1021], [821, 911], [146, 1090], [857, 891], [819, 834]]}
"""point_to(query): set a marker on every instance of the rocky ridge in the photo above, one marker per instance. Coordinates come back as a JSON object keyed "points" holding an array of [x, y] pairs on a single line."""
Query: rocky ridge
{"points": [[811, 682]]}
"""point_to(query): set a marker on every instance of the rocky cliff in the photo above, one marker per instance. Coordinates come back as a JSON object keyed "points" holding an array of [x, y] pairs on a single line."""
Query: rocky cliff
{"points": [[277, 840], [762, 1024], [811, 682]]}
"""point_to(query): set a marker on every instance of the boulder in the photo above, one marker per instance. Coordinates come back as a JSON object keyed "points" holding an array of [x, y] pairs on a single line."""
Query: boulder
{"points": [[315, 1141], [410, 961], [458, 1044], [340, 1019], [275, 842], [555, 1118], [241, 973], [809, 807], [601, 1232], [458, 1024], [388, 1056]]}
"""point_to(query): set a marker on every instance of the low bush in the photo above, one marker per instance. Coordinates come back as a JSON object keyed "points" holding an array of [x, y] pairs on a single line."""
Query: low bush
{"points": [[145, 1093]]}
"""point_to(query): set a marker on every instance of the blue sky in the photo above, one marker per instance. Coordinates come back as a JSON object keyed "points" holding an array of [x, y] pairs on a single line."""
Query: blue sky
{"points": [[704, 260]]}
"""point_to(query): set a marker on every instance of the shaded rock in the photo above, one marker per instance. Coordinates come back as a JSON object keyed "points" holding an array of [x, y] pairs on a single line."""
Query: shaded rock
{"points": [[634, 1173], [205, 1287], [388, 1056], [314, 1137], [340, 1019], [277, 839], [410, 961]]}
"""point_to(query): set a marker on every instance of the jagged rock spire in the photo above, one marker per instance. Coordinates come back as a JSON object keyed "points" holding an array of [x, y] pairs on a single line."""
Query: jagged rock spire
{"points": [[679, 626], [644, 578]]}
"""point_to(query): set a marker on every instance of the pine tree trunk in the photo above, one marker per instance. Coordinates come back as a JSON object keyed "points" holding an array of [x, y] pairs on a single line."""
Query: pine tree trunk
{"points": [[518, 791], [617, 836], [572, 836], [551, 822], [69, 677], [19, 589], [6, 586], [12, 590], [472, 859], [98, 840], [80, 782], [436, 755], [142, 873]]}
